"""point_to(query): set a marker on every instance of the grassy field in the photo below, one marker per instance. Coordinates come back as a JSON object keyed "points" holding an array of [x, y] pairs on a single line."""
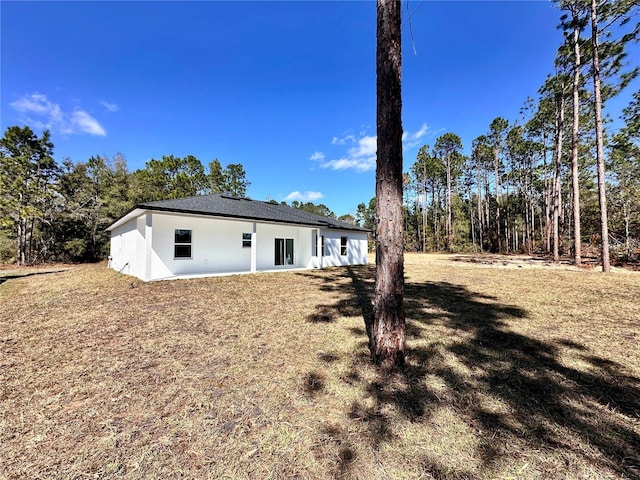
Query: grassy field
{"points": [[515, 370]]}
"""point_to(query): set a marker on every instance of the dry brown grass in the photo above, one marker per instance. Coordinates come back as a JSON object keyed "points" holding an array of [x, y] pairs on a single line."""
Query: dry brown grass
{"points": [[512, 373]]}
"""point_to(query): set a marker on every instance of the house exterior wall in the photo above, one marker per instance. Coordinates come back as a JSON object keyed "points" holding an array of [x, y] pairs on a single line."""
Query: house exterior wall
{"points": [[216, 246], [356, 248], [127, 253], [144, 246], [266, 235]]}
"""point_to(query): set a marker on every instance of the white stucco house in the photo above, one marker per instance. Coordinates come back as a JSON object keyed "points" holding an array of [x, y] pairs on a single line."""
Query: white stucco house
{"points": [[219, 234]]}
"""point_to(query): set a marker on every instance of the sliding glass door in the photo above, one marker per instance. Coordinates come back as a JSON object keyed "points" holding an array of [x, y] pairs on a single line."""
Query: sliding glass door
{"points": [[284, 251]]}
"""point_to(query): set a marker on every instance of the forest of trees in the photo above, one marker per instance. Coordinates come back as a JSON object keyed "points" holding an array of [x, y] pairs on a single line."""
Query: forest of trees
{"points": [[558, 179], [59, 212], [52, 212]]}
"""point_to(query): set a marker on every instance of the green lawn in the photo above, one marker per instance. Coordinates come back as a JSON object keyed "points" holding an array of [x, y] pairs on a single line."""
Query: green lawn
{"points": [[513, 371]]}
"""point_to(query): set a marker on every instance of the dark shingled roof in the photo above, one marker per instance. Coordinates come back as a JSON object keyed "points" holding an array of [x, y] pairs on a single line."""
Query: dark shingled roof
{"points": [[220, 205]]}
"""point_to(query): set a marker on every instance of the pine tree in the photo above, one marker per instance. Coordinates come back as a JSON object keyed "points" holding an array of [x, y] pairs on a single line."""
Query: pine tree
{"points": [[448, 146], [573, 25], [27, 173], [387, 334], [607, 61], [497, 133]]}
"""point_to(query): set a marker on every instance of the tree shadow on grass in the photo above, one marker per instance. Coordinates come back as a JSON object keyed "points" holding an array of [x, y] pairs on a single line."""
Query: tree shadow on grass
{"points": [[19, 274], [516, 391]]}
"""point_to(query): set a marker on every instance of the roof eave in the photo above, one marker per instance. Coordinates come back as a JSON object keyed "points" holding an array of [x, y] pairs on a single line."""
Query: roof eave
{"points": [[142, 208], [135, 212]]}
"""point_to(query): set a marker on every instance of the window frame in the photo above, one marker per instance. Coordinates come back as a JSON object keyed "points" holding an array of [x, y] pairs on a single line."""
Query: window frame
{"points": [[246, 240], [344, 246], [281, 247], [180, 243]]}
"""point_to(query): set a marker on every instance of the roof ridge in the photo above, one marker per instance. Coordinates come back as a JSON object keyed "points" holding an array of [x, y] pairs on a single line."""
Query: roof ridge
{"points": [[223, 205]]}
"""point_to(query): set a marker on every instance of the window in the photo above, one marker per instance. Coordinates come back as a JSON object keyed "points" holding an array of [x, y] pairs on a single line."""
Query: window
{"points": [[322, 245], [314, 243], [284, 251], [246, 240], [343, 246], [182, 246]]}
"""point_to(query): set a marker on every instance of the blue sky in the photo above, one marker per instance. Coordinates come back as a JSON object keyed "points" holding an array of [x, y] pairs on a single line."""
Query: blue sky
{"points": [[286, 89]]}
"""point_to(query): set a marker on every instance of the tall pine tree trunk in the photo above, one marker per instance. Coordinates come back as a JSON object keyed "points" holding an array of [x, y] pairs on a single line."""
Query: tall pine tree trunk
{"points": [[496, 167], [577, 241], [597, 100], [480, 225], [473, 224], [21, 224], [547, 204], [487, 213], [525, 231], [434, 204], [425, 218], [557, 160], [627, 223], [448, 200], [387, 335], [436, 218], [506, 221], [20, 243]]}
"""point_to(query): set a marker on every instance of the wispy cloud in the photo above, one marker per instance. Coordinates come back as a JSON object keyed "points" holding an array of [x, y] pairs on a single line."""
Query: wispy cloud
{"points": [[303, 196], [343, 140], [37, 104], [365, 147], [86, 123], [410, 140], [361, 154], [317, 157], [40, 112], [111, 107]]}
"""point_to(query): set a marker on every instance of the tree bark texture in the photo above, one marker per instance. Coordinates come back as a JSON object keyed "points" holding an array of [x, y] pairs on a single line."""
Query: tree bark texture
{"points": [[597, 100], [449, 216], [425, 218], [557, 161], [496, 167], [547, 204], [480, 225], [387, 340], [577, 241]]}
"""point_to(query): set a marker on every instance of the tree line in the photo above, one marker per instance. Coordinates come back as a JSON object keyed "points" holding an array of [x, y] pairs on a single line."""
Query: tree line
{"points": [[555, 180], [515, 174], [545, 182], [59, 212]]}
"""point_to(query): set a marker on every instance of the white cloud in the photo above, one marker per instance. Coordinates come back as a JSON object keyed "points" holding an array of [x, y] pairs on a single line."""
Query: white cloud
{"points": [[112, 107], [360, 157], [40, 112], [367, 146], [303, 196], [39, 105], [86, 123], [317, 157], [358, 164], [361, 154], [410, 140], [343, 140]]}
